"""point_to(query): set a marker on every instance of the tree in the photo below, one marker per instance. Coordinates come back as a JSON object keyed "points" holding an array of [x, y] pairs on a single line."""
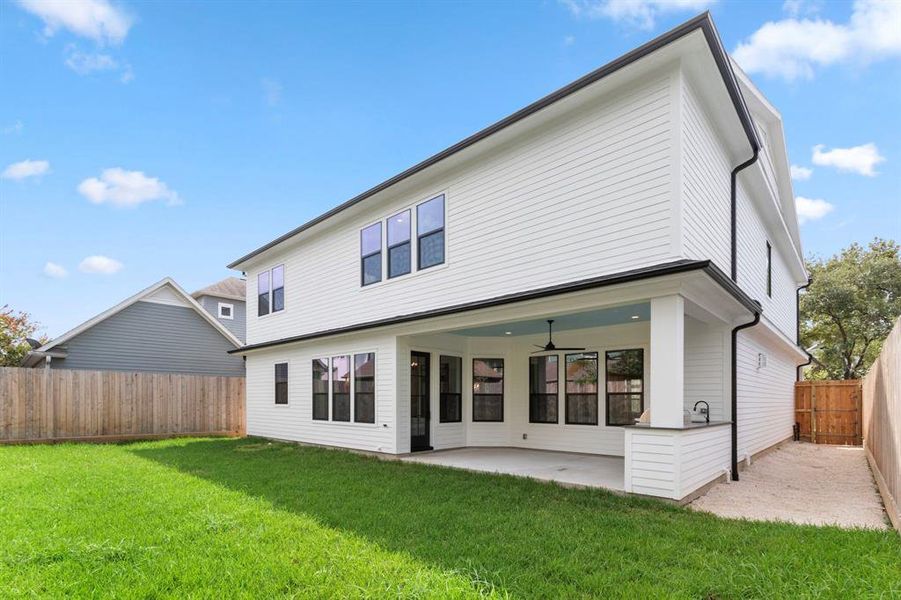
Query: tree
{"points": [[15, 327], [850, 307]]}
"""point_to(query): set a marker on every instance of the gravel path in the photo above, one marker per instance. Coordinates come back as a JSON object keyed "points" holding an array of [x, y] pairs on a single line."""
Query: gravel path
{"points": [[802, 483]]}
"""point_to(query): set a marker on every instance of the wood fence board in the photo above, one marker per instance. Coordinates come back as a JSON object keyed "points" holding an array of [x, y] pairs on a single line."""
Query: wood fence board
{"points": [[63, 404], [829, 412]]}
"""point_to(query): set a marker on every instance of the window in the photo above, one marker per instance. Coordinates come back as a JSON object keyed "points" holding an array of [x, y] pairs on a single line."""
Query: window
{"points": [[543, 377], [320, 389], [450, 405], [625, 386], [226, 311], [488, 389], [582, 388], [430, 232], [278, 288], [364, 388], [769, 270], [281, 383], [371, 254], [340, 388], [263, 293], [271, 291], [399, 244]]}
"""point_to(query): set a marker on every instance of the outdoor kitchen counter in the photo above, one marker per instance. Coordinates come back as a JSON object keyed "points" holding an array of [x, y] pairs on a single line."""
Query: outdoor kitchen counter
{"points": [[686, 426]]}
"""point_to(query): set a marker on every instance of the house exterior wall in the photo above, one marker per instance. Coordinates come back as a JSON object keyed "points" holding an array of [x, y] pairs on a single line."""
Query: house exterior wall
{"points": [[706, 364], [237, 325], [577, 197], [152, 336], [294, 420]]}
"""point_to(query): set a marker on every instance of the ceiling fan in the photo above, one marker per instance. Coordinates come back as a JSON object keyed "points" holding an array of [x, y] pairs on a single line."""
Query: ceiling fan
{"points": [[550, 347]]}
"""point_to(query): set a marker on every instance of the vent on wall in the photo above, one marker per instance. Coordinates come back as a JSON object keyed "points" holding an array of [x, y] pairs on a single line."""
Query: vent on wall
{"points": [[761, 360]]}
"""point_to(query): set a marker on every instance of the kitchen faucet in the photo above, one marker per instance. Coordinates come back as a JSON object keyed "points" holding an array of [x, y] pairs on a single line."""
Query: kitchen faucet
{"points": [[706, 406]]}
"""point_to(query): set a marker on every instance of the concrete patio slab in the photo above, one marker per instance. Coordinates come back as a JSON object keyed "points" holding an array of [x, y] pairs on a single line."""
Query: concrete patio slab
{"points": [[562, 467]]}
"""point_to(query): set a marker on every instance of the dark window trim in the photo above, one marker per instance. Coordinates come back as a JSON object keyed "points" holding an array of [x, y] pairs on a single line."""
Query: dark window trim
{"points": [[354, 379], [556, 396], [268, 292], [270, 301], [408, 241], [503, 390], [769, 270], [281, 383], [328, 390], [607, 395], [363, 257], [639, 274], [432, 232], [566, 388], [334, 381], [441, 394]]}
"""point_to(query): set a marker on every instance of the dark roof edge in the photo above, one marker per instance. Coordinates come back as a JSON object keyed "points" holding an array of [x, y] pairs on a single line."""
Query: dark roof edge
{"points": [[671, 268], [702, 21]]}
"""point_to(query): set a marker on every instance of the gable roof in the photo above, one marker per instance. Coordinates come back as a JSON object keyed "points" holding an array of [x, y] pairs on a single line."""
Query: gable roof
{"points": [[233, 288], [145, 293], [702, 22]]}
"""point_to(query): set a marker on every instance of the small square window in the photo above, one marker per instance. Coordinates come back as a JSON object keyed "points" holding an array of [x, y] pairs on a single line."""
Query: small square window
{"points": [[226, 311]]}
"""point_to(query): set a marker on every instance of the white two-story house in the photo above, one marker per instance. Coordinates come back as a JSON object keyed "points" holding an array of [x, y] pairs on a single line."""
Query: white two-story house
{"points": [[646, 209]]}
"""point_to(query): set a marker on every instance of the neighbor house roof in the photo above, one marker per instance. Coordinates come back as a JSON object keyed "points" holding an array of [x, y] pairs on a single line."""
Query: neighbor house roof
{"points": [[702, 23], [230, 287], [49, 347]]}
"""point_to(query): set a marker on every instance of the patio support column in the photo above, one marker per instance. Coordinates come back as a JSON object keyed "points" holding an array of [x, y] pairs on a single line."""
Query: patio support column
{"points": [[667, 361]]}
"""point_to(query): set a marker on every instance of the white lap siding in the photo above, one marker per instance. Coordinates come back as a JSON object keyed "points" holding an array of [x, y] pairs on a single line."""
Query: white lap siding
{"points": [[705, 368], [572, 198], [766, 401], [294, 421]]}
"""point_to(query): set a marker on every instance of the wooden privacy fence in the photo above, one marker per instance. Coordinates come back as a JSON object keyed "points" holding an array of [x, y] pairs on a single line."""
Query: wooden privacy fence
{"points": [[829, 412], [882, 422], [62, 404]]}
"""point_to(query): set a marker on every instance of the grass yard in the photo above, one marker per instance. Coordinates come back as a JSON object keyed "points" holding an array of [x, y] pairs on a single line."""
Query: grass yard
{"points": [[231, 518]]}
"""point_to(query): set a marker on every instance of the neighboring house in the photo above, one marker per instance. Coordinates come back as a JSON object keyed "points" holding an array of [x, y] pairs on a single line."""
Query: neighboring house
{"points": [[647, 208], [160, 329], [225, 301]]}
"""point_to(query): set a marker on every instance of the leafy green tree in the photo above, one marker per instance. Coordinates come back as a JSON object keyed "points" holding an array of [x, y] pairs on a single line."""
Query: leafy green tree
{"points": [[15, 327], [850, 308]]}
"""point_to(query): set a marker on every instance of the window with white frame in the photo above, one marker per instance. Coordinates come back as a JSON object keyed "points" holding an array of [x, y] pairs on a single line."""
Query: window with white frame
{"points": [[271, 291], [226, 310], [344, 388]]}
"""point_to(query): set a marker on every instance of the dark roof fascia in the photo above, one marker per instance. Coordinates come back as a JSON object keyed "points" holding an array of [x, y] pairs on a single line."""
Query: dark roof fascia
{"points": [[702, 22], [661, 270]]}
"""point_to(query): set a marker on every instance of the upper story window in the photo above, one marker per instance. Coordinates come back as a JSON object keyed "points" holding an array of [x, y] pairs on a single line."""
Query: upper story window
{"points": [[430, 232], [399, 244], [226, 311], [769, 270], [371, 254], [271, 291]]}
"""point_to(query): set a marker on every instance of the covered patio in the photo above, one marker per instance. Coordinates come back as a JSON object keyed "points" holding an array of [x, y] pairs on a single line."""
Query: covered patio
{"points": [[565, 468]]}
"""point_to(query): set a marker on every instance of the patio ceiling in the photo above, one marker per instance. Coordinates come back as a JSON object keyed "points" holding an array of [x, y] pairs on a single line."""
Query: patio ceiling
{"points": [[617, 315]]}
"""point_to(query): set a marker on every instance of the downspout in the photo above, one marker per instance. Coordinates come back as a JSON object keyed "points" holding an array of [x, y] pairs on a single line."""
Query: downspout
{"points": [[734, 207], [734, 415], [798, 329]]}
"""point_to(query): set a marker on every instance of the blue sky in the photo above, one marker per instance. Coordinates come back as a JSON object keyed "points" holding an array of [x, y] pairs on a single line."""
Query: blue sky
{"points": [[139, 140]]}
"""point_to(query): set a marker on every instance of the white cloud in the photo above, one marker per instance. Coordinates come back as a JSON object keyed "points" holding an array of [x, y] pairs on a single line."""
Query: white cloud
{"points": [[272, 91], [51, 269], [85, 63], [637, 13], [25, 168], [15, 128], [811, 209], [569, 40], [119, 187], [98, 20], [792, 48], [859, 159], [795, 8], [102, 265], [801, 173]]}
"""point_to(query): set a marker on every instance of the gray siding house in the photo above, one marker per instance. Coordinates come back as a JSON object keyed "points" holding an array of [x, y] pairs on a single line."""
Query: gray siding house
{"points": [[225, 300], [159, 329]]}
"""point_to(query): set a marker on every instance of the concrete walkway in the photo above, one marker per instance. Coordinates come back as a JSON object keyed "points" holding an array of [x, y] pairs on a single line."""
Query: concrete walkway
{"points": [[802, 483], [563, 467]]}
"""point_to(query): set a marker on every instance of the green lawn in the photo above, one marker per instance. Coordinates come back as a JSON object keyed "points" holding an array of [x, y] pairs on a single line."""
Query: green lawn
{"points": [[225, 518]]}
